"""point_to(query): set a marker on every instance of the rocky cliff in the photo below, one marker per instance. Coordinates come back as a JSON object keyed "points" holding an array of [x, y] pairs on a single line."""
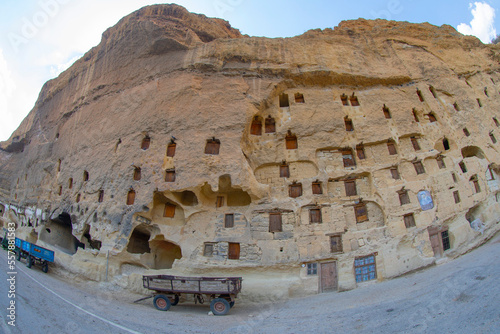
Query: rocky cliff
{"points": [[179, 145]]}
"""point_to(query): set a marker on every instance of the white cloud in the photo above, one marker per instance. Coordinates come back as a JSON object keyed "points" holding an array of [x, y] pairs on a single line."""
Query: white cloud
{"points": [[482, 24]]}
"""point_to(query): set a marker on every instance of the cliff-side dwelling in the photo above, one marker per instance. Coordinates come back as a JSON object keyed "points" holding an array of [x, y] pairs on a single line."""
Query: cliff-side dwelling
{"points": [[305, 164]]}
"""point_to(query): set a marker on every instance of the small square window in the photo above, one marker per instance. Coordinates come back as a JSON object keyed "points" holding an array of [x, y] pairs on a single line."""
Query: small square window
{"points": [[440, 162], [395, 173], [409, 220], [270, 125], [392, 148], [212, 147], [348, 124], [170, 175], [171, 149], [315, 216], [360, 151], [361, 213], [291, 141], [336, 244], [220, 201], [466, 132], [316, 188], [275, 222], [229, 220], [419, 167], [284, 101], [208, 249], [348, 158], [295, 190], [354, 100], [131, 197], [137, 174], [169, 210], [146, 141], [312, 269], [284, 170], [350, 188], [299, 98], [404, 198]]}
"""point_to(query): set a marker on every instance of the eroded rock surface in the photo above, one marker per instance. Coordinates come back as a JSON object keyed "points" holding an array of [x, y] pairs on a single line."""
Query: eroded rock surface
{"points": [[303, 164]]}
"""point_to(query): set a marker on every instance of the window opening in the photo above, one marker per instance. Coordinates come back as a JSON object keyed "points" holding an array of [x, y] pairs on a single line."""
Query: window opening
{"points": [[270, 125], [354, 100], [419, 167], [131, 197], [137, 174], [146, 141], [446, 144], [299, 98], [336, 244], [404, 198], [284, 169], [275, 222], [466, 132], [360, 151], [365, 269], [386, 111], [420, 96], [344, 99], [229, 220], [295, 190], [395, 173], [392, 148], [348, 158], [316, 188], [169, 211], [415, 144], [315, 216], [446, 240], [170, 175], [348, 124], [284, 102], [291, 141], [213, 146], [350, 188], [233, 251], [456, 196], [409, 220], [256, 127]]}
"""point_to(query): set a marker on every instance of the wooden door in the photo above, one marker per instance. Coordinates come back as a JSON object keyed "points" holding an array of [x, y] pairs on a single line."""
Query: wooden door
{"points": [[328, 279], [435, 241], [233, 252]]}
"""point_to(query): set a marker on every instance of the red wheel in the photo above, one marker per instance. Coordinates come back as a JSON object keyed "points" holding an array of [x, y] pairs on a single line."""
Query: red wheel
{"points": [[161, 302]]}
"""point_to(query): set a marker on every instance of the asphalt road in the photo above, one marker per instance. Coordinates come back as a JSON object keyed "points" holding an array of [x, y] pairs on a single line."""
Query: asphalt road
{"points": [[461, 296]]}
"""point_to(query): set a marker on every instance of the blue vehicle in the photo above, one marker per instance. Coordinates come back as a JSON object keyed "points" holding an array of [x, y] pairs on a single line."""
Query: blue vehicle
{"points": [[35, 254]]}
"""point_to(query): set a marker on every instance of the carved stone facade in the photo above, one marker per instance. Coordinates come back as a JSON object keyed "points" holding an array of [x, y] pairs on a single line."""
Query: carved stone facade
{"points": [[306, 164]]}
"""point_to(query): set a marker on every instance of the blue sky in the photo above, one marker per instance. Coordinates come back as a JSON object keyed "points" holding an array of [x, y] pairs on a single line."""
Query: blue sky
{"points": [[41, 38]]}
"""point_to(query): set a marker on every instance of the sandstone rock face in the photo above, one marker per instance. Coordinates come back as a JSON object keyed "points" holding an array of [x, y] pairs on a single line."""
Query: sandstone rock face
{"points": [[303, 164]]}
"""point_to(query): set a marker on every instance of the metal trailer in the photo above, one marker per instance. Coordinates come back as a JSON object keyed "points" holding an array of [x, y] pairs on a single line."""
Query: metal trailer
{"points": [[220, 291], [34, 254]]}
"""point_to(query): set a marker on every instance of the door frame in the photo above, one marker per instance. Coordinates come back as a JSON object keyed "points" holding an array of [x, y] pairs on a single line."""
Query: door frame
{"points": [[320, 275]]}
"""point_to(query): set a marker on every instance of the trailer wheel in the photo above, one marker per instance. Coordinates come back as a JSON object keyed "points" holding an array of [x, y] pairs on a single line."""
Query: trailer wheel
{"points": [[30, 261], [219, 306], [161, 302], [45, 267], [175, 301]]}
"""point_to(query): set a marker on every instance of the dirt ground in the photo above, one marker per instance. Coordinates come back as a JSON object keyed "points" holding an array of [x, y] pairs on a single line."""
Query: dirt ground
{"points": [[459, 296]]}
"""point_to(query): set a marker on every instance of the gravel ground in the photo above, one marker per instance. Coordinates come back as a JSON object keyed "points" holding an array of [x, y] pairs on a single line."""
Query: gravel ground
{"points": [[460, 296]]}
